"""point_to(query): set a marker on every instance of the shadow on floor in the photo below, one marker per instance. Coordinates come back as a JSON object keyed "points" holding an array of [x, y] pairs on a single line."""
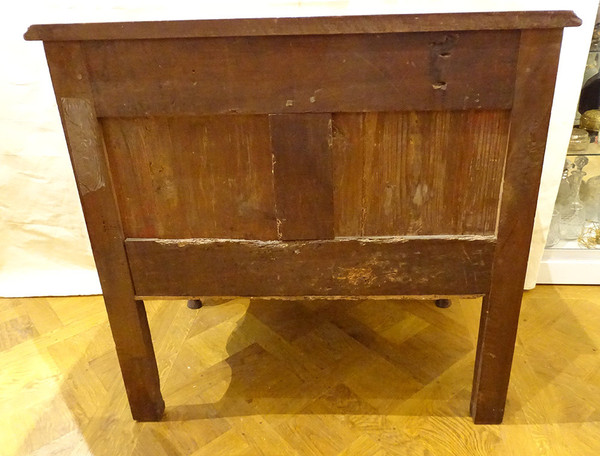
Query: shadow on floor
{"points": [[361, 360], [400, 357]]}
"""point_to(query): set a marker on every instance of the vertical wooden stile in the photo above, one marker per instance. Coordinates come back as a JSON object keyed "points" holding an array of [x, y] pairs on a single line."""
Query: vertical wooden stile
{"points": [[536, 75], [127, 316], [302, 172]]}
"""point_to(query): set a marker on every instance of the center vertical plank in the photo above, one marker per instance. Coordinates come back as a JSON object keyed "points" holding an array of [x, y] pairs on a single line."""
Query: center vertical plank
{"points": [[303, 176]]}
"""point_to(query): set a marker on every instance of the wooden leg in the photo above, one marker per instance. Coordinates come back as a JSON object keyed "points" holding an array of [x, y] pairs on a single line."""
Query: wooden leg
{"points": [[443, 303], [495, 348], [194, 303], [525, 157], [131, 333], [127, 317]]}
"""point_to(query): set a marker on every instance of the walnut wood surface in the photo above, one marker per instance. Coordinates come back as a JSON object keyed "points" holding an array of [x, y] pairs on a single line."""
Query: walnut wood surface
{"points": [[538, 61], [304, 26], [288, 74], [127, 316], [394, 174], [431, 133], [303, 176], [412, 173], [393, 266], [193, 176]]}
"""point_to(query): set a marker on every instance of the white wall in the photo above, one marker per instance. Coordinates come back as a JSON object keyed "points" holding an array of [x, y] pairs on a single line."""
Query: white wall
{"points": [[44, 248]]}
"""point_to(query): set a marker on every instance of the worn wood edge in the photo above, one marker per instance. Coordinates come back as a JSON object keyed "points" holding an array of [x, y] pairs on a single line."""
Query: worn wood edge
{"points": [[321, 25], [442, 266], [362, 240], [320, 297]]}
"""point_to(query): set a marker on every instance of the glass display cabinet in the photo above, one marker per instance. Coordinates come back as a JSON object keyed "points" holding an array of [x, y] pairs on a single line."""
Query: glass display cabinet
{"points": [[572, 254]]}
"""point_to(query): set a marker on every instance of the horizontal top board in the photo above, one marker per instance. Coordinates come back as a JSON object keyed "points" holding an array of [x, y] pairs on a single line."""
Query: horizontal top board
{"points": [[304, 26]]}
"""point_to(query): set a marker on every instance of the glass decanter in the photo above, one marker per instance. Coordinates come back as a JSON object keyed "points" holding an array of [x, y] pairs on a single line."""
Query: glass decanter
{"points": [[572, 214]]}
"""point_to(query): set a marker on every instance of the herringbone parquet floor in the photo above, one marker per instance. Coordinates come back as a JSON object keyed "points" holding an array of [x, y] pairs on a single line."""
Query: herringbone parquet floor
{"points": [[278, 377]]}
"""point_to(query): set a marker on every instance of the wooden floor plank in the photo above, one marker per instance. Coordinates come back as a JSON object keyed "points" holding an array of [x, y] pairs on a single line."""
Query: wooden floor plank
{"points": [[300, 377]]}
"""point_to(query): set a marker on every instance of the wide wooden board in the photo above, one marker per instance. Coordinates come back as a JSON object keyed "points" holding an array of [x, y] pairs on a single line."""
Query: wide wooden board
{"points": [[193, 176], [245, 177], [415, 173], [392, 266], [286, 74]]}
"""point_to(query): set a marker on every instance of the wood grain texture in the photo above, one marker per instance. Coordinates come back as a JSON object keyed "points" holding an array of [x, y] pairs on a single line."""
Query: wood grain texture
{"points": [[302, 172], [184, 125], [418, 173], [336, 73], [127, 316], [304, 26], [363, 267], [187, 177], [68, 71], [538, 62]]}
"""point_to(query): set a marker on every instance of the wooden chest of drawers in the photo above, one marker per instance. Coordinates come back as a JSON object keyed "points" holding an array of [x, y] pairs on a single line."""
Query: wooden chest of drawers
{"points": [[330, 156]]}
